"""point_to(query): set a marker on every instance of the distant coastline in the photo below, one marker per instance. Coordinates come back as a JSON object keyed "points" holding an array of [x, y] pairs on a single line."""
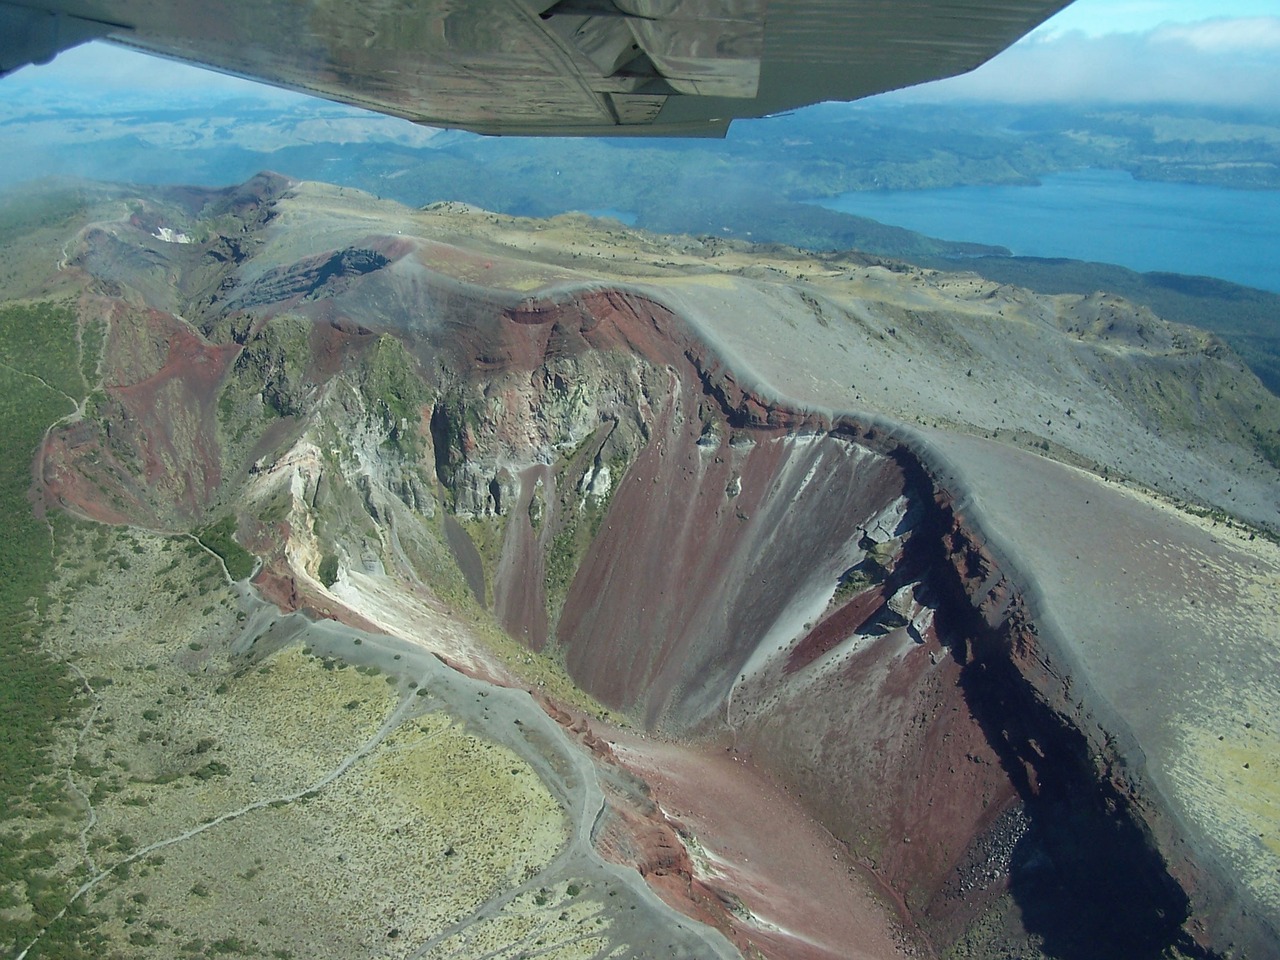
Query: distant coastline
{"points": [[1099, 215]]}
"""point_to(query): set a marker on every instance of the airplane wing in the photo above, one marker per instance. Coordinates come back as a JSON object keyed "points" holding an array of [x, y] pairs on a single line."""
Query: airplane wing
{"points": [[549, 67]]}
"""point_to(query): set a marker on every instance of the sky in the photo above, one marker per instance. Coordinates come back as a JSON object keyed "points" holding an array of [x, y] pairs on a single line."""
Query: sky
{"points": [[1100, 17], [1218, 52], [1221, 52]]}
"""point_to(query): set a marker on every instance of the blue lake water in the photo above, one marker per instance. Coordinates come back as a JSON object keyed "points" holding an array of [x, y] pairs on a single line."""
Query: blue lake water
{"points": [[1102, 215]]}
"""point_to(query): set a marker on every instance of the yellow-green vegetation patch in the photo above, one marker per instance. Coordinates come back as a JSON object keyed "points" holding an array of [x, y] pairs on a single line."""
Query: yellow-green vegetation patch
{"points": [[580, 517], [319, 710], [152, 646], [273, 732], [419, 834], [179, 732], [1231, 779], [487, 534], [266, 382], [464, 819], [434, 769], [218, 804], [542, 671], [394, 392], [1226, 763]]}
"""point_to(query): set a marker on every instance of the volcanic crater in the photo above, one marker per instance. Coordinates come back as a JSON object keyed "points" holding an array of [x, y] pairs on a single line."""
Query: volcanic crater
{"points": [[786, 598]]}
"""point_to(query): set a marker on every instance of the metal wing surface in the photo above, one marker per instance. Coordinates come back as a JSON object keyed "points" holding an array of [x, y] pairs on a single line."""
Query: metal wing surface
{"points": [[549, 67]]}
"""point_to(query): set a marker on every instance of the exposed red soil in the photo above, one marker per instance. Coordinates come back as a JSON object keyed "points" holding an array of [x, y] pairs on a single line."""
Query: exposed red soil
{"points": [[240, 200], [887, 751], [807, 899], [838, 627], [183, 389], [635, 834], [334, 343], [890, 757], [156, 446], [691, 577], [59, 483], [278, 586]]}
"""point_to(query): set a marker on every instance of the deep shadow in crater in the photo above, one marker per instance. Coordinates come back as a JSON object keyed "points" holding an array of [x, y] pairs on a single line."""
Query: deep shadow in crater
{"points": [[1087, 881]]}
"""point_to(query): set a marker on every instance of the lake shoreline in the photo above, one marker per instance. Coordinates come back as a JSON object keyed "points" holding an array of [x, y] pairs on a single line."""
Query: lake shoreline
{"points": [[1103, 216]]}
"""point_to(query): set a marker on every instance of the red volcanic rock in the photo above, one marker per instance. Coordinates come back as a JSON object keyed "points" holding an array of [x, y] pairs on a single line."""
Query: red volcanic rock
{"points": [[537, 312], [549, 707], [835, 629], [663, 852], [916, 732], [156, 447], [60, 484], [333, 344], [242, 200], [600, 748], [635, 835], [780, 887], [887, 750], [611, 319], [279, 587], [277, 584]]}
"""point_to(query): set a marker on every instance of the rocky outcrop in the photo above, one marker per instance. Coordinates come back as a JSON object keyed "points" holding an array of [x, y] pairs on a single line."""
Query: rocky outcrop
{"points": [[315, 277]]}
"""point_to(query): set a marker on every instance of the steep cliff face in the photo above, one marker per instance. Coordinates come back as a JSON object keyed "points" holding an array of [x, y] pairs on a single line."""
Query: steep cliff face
{"points": [[799, 589], [808, 597]]}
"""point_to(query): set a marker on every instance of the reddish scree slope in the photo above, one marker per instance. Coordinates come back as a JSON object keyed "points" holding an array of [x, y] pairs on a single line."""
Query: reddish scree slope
{"points": [[924, 691], [907, 715], [159, 455]]}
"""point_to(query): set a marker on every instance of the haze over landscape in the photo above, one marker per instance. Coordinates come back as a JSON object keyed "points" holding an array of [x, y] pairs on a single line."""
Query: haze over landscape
{"points": [[836, 541]]}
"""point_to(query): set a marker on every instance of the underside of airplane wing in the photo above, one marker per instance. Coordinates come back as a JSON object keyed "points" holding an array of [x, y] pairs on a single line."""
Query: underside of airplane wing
{"points": [[549, 67]]}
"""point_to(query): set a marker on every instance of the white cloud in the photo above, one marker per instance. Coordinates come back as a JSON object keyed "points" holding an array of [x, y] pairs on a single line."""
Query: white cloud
{"points": [[1244, 34], [1229, 62], [1099, 17]]}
